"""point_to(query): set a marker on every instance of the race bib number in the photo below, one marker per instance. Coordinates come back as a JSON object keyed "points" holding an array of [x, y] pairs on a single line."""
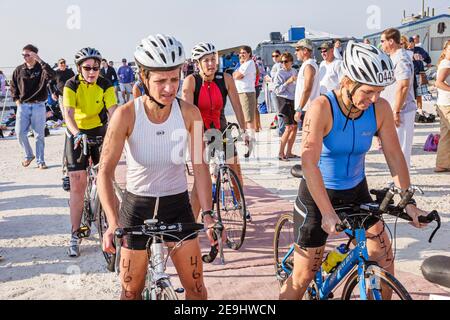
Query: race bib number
{"points": [[386, 76]]}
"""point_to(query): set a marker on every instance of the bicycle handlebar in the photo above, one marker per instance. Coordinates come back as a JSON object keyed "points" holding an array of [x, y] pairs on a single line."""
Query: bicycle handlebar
{"points": [[229, 127], [89, 141], [158, 228], [373, 209]]}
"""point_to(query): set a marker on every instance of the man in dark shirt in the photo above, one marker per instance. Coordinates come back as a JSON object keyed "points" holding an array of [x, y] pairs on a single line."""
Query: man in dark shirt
{"points": [[29, 91], [109, 73], [57, 85]]}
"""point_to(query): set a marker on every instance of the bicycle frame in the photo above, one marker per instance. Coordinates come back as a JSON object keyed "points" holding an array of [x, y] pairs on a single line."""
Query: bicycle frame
{"points": [[358, 256], [156, 270]]}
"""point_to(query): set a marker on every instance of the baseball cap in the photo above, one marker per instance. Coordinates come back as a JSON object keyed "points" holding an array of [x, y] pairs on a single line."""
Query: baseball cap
{"points": [[304, 43], [411, 39], [124, 60], [326, 45]]}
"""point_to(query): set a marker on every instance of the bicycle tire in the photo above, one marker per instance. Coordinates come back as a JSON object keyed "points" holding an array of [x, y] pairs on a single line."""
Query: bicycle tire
{"points": [[386, 277], [278, 253], [102, 226], [235, 234], [167, 292]]}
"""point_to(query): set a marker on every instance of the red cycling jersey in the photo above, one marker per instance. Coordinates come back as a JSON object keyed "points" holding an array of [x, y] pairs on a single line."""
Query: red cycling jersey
{"points": [[210, 98]]}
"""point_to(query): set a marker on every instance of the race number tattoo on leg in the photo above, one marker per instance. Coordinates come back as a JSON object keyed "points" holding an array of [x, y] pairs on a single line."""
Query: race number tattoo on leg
{"points": [[196, 275], [127, 280], [307, 131], [317, 260]]}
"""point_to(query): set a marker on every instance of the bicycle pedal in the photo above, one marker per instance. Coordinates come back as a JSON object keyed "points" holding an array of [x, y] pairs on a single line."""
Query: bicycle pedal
{"points": [[179, 290], [84, 232]]}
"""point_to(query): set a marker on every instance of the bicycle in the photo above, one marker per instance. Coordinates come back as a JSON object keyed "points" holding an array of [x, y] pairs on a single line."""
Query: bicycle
{"points": [[158, 284], [92, 209], [228, 196], [365, 278]]}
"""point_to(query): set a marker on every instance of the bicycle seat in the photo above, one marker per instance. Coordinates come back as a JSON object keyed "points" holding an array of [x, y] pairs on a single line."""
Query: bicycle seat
{"points": [[297, 171], [436, 269]]}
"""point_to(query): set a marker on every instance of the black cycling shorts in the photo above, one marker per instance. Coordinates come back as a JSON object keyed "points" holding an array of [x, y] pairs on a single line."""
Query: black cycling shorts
{"points": [[287, 111], [74, 155], [172, 209], [211, 145], [308, 232]]}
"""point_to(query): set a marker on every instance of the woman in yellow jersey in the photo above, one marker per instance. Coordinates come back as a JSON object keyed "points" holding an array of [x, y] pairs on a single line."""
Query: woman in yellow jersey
{"points": [[88, 99]]}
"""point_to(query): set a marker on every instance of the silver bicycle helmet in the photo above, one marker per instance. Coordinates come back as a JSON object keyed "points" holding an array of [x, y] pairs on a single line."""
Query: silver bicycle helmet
{"points": [[202, 49], [366, 64], [159, 52], [87, 53]]}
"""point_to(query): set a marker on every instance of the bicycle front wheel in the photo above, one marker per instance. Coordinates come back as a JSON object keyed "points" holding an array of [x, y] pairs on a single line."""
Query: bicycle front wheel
{"points": [[282, 242], [231, 208], [102, 226], [391, 288], [166, 291]]}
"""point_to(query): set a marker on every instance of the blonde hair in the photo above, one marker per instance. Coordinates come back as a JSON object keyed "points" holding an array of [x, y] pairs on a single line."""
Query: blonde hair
{"points": [[404, 39], [442, 56]]}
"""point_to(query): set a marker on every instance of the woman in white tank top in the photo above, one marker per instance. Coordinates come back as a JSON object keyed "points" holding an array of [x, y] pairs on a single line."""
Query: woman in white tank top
{"points": [[154, 130]]}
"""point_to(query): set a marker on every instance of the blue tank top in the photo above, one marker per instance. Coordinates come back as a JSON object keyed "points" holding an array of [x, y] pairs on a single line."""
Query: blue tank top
{"points": [[344, 151]]}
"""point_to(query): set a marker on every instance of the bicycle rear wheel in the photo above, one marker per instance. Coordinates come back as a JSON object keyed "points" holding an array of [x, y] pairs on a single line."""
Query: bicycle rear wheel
{"points": [[282, 242], [231, 207], [391, 288]]}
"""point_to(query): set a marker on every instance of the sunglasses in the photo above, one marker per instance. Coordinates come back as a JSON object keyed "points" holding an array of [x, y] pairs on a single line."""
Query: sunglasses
{"points": [[298, 49], [88, 69], [275, 56], [285, 61], [26, 55], [62, 62], [382, 41], [324, 50]]}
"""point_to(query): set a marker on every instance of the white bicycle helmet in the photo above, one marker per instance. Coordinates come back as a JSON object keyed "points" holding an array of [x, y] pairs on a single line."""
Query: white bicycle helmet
{"points": [[202, 49], [159, 52], [87, 53], [366, 64]]}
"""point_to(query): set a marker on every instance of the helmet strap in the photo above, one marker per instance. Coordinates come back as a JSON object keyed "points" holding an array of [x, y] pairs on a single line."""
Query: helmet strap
{"points": [[147, 93], [352, 105]]}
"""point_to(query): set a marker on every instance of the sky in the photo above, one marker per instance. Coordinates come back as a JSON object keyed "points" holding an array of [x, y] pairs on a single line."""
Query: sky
{"points": [[60, 28]]}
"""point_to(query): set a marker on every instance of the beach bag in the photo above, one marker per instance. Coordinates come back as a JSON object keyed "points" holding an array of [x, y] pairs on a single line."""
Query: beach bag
{"points": [[262, 107], [431, 144]]}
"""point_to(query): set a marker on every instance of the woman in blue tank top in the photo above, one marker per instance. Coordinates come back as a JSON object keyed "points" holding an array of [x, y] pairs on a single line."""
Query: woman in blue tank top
{"points": [[337, 133]]}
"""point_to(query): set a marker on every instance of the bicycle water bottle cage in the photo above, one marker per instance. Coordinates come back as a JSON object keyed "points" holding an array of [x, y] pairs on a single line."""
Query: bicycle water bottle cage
{"points": [[83, 232]]}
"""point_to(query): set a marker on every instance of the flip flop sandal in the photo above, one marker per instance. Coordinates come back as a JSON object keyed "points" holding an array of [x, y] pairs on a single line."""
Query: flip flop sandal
{"points": [[26, 163]]}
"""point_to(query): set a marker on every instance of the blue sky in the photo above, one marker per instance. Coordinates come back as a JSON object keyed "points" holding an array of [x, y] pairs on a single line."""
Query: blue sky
{"points": [[115, 27]]}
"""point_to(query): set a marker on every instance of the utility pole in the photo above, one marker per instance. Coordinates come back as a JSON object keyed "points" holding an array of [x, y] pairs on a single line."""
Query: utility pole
{"points": [[423, 8]]}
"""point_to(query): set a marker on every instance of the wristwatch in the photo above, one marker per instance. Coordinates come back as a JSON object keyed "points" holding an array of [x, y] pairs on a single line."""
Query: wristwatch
{"points": [[207, 212]]}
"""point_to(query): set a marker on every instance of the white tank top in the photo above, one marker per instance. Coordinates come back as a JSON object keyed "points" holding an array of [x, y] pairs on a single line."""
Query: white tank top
{"points": [[156, 153], [315, 92]]}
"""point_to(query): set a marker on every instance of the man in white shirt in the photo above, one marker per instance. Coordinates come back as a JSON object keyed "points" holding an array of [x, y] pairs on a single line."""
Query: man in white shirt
{"points": [[307, 88], [245, 78], [338, 49], [400, 94], [330, 71]]}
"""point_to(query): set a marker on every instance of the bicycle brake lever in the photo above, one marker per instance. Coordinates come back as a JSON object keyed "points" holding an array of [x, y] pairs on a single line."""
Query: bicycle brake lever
{"points": [[433, 215]]}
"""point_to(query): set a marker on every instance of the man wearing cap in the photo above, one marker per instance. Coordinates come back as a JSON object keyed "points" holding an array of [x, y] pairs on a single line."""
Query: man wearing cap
{"points": [[57, 85], [126, 79], [307, 88], [330, 72]]}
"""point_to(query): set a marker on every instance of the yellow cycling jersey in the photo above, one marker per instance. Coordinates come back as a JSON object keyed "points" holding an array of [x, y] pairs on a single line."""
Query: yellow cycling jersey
{"points": [[90, 101]]}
